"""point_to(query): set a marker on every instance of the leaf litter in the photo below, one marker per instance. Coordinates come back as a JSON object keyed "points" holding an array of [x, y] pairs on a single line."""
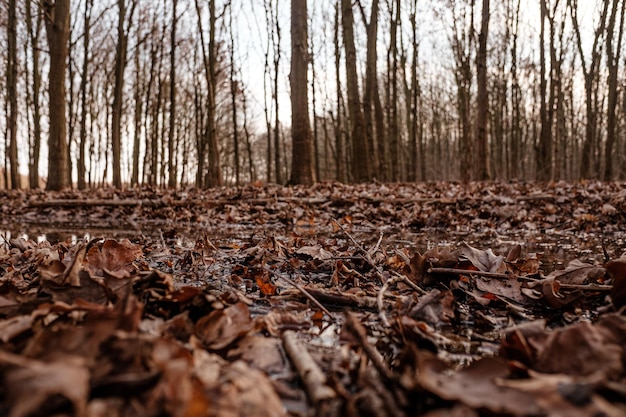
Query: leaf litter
{"points": [[410, 299]]}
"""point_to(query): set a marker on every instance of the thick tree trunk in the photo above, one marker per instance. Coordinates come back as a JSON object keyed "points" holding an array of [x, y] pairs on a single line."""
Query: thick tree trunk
{"points": [[57, 28], [301, 160]]}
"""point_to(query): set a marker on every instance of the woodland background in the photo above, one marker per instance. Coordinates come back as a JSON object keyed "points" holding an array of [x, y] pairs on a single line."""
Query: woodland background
{"points": [[189, 92]]}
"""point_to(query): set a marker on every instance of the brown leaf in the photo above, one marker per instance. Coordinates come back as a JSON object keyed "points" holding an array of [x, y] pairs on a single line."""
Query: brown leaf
{"points": [[476, 386], [262, 353], [34, 387], [243, 391], [435, 257], [485, 261], [580, 349], [617, 271], [114, 257], [222, 327], [578, 273]]}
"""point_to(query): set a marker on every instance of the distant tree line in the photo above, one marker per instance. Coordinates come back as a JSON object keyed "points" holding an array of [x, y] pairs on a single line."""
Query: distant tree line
{"points": [[172, 93]]}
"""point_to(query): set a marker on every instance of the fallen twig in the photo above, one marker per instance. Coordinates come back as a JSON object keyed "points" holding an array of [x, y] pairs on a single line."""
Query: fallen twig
{"points": [[303, 291], [358, 331], [479, 273], [348, 300], [584, 287], [312, 376]]}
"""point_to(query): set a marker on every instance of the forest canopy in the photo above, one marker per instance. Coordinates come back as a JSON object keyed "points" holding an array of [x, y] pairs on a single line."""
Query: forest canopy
{"points": [[190, 92]]}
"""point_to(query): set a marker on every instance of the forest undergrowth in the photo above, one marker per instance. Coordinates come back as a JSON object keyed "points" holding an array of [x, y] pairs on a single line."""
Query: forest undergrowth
{"points": [[426, 299]]}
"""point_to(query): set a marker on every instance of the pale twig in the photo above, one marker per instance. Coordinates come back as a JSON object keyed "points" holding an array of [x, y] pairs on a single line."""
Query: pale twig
{"points": [[312, 376], [303, 291]]}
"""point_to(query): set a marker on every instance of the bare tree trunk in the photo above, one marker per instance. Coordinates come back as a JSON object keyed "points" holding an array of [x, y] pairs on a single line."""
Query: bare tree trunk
{"points": [[590, 72], [360, 171], [139, 75], [251, 165], [277, 148], [171, 144], [371, 75], [544, 146], [516, 93], [613, 57], [394, 123], [84, 81], [461, 47], [482, 97], [340, 162], [57, 28], [215, 169], [211, 177], [35, 145], [233, 99], [118, 90], [301, 160], [12, 95]]}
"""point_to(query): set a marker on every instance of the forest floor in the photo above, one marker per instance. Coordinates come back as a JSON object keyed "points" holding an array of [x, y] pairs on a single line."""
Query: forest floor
{"points": [[430, 299]]}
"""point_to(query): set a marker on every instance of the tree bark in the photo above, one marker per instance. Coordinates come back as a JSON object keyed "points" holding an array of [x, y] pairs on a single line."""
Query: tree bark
{"points": [[371, 75], [81, 166], [613, 57], [171, 144], [12, 95], [301, 160], [590, 73], [360, 167], [482, 98], [34, 151], [118, 90], [57, 28]]}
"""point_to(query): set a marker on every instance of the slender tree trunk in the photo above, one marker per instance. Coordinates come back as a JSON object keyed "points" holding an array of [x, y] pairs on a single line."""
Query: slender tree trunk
{"points": [[360, 168], [171, 144], [544, 147], [84, 81], [340, 162], [482, 97], [277, 148], [57, 28], [368, 97], [462, 46], [394, 120], [233, 99], [590, 72], [34, 151], [12, 95], [139, 79], [301, 160], [118, 91], [215, 170], [613, 58]]}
